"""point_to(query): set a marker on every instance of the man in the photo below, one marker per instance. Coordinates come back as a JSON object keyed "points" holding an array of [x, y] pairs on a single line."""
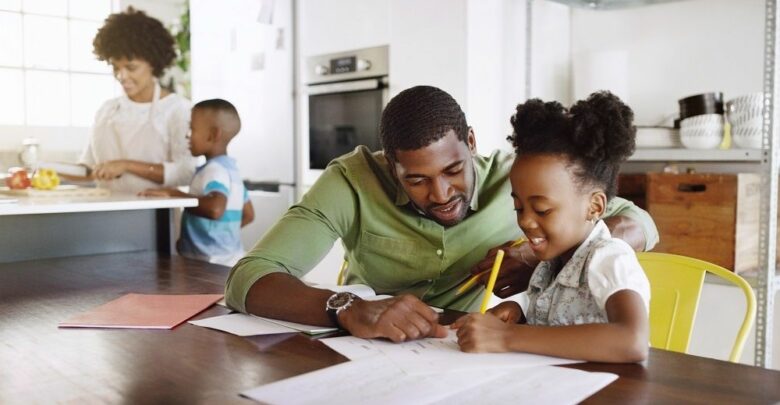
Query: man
{"points": [[414, 220]]}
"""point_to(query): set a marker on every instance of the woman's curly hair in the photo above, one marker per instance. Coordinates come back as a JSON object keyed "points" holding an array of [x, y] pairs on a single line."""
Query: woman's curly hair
{"points": [[596, 135], [134, 35]]}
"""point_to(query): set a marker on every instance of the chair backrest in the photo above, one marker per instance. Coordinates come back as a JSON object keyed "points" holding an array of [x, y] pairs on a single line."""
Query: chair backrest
{"points": [[675, 286]]}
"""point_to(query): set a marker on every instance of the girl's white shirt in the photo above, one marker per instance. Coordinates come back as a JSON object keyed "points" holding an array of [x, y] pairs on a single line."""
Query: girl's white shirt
{"points": [[154, 132], [600, 266]]}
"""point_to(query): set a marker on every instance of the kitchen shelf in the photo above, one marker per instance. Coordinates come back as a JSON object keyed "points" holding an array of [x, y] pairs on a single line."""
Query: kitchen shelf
{"points": [[696, 155]]}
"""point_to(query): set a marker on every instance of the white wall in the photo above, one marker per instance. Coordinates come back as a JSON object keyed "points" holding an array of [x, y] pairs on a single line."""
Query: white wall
{"points": [[496, 70], [250, 64], [551, 51], [678, 49], [428, 45], [327, 26], [720, 313]]}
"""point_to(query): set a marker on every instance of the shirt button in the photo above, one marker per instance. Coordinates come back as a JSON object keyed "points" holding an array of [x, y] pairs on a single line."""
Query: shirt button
{"points": [[438, 252]]}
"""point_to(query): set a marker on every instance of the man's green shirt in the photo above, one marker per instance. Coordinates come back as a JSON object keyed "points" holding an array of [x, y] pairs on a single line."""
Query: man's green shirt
{"points": [[389, 245]]}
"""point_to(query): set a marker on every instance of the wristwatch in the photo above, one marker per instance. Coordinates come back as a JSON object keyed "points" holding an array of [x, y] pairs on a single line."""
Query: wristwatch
{"points": [[337, 303]]}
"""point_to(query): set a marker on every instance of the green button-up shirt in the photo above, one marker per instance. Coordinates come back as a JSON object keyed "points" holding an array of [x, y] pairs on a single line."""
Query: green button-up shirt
{"points": [[389, 245]]}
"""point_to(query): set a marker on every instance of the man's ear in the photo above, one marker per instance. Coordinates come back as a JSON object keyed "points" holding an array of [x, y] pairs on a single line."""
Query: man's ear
{"points": [[597, 205], [471, 141]]}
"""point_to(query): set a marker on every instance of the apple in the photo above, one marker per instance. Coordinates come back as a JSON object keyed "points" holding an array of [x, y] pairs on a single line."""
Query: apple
{"points": [[17, 179]]}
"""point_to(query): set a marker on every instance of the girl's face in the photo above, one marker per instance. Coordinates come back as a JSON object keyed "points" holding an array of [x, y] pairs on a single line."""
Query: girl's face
{"points": [[553, 211], [136, 77]]}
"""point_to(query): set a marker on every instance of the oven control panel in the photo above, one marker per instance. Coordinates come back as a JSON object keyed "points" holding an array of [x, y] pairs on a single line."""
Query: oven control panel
{"points": [[357, 64]]}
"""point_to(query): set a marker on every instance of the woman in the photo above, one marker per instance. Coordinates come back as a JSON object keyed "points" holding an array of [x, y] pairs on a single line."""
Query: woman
{"points": [[139, 140]]}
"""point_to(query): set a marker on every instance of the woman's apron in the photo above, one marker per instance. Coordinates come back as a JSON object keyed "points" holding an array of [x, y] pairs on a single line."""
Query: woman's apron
{"points": [[122, 137]]}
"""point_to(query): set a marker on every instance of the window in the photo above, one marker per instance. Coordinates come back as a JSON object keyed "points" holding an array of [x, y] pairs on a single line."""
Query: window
{"points": [[48, 73]]}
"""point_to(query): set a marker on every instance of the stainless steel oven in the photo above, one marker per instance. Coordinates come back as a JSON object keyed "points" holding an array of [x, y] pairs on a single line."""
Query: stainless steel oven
{"points": [[346, 92]]}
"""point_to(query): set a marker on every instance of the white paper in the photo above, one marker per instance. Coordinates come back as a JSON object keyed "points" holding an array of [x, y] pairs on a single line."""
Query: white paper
{"points": [[547, 385], [242, 325], [376, 380], [373, 380], [436, 355], [250, 325], [308, 329]]}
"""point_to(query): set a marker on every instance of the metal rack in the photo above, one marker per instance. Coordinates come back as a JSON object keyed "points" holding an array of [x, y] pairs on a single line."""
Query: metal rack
{"points": [[766, 288], [764, 284]]}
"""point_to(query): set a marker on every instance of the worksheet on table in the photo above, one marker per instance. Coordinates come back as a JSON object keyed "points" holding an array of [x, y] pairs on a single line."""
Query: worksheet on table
{"points": [[436, 355], [377, 380]]}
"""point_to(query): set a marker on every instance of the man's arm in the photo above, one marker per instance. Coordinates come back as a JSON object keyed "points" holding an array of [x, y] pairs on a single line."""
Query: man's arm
{"points": [[398, 318], [267, 281], [632, 224]]}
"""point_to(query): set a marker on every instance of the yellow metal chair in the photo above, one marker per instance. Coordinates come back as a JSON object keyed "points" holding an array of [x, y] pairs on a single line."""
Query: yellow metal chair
{"points": [[676, 283]]}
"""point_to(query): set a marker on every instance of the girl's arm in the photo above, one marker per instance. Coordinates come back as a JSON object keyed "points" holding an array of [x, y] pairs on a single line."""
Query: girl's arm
{"points": [[624, 339]]}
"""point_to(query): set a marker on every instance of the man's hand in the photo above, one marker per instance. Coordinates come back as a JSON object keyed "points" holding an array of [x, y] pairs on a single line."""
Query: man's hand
{"points": [[109, 170], [516, 269], [399, 319], [480, 333]]}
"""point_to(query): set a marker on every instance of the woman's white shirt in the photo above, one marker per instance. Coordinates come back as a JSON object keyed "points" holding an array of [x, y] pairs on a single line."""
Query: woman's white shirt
{"points": [[154, 132]]}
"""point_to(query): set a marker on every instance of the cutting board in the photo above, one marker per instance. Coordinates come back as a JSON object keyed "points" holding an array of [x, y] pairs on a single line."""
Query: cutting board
{"points": [[58, 192]]}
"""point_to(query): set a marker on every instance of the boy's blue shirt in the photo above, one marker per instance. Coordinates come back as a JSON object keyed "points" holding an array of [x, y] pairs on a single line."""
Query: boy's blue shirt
{"points": [[218, 240]]}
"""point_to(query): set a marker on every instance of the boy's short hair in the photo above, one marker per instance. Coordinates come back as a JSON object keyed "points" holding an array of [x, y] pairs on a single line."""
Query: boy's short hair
{"points": [[227, 119]]}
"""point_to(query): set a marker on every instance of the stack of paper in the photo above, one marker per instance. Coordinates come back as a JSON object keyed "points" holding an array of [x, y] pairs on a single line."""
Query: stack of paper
{"points": [[250, 325], [377, 380]]}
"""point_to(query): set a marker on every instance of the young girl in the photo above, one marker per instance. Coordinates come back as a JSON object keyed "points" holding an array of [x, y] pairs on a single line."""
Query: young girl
{"points": [[589, 297]]}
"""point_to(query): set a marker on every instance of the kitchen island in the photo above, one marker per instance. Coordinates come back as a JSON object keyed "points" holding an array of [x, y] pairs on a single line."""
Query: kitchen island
{"points": [[60, 226]]}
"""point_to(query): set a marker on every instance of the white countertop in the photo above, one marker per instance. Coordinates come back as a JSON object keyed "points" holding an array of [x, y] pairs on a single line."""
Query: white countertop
{"points": [[115, 202]]}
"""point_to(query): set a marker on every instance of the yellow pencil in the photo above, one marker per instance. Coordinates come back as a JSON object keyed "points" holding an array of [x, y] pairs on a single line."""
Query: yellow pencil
{"points": [[492, 281], [342, 273], [473, 280]]}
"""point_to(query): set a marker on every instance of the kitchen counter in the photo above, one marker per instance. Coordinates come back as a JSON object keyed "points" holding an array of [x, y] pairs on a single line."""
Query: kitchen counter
{"points": [[116, 202], [48, 227]]}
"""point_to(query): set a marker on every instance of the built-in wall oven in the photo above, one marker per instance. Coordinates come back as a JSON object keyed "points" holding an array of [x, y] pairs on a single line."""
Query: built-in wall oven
{"points": [[346, 93]]}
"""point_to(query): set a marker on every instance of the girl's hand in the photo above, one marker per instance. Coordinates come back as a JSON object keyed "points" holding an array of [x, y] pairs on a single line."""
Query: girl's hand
{"points": [[482, 333], [507, 311], [109, 170]]}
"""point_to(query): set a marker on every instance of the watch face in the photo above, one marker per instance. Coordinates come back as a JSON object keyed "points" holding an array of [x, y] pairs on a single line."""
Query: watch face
{"points": [[339, 300]]}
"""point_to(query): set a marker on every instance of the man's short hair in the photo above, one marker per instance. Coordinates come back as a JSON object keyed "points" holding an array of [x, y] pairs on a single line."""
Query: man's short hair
{"points": [[227, 117], [419, 116]]}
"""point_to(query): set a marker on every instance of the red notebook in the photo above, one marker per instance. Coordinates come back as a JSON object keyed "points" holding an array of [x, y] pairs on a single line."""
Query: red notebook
{"points": [[143, 311]]}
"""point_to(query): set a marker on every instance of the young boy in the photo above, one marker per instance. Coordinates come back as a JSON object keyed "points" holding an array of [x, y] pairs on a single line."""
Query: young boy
{"points": [[211, 231]]}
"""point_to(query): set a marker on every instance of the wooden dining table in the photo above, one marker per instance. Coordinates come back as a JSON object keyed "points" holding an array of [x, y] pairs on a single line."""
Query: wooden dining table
{"points": [[41, 363]]}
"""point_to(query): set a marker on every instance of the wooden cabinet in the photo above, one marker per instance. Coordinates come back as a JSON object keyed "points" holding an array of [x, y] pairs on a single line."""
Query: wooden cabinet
{"points": [[713, 217]]}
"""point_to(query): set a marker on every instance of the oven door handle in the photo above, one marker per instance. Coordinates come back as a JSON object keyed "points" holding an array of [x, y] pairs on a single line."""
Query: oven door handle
{"points": [[343, 87]]}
